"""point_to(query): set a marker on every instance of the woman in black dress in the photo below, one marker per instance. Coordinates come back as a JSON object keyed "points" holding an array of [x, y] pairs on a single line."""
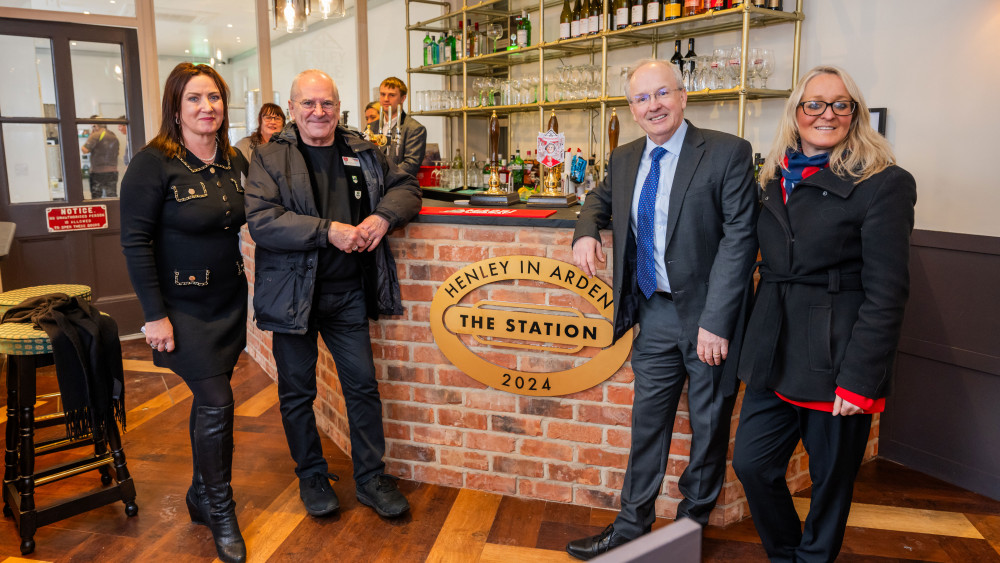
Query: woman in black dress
{"points": [[834, 234], [182, 208]]}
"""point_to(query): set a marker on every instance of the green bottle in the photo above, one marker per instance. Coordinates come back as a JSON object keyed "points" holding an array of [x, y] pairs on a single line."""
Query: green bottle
{"points": [[428, 50], [517, 170]]}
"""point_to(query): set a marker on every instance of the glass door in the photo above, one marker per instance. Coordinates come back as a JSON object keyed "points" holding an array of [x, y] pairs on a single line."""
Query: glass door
{"points": [[70, 118]]}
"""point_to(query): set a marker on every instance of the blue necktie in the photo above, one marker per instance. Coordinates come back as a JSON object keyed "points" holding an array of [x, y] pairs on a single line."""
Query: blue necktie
{"points": [[646, 225]]}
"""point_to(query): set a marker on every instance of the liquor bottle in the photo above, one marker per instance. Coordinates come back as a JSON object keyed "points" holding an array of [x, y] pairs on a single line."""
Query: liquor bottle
{"points": [[435, 51], [577, 15], [478, 42], [453, 47], [524, 31], [566, 21], [691, 8], [473, 173], [594, 17], [690, 54], [775, 5], [578, 168], [460, 37], [638, 11], [486, 175], [428, 52], [517, 170], [759, 3], [444, 48], [672, 9], [614, 129], [717, 5], [677, 59], [653, 11], [504, 173], [621, 14]]}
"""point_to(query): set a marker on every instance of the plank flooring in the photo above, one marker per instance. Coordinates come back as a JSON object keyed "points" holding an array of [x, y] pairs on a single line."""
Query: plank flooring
{"points": [[899, 515]]}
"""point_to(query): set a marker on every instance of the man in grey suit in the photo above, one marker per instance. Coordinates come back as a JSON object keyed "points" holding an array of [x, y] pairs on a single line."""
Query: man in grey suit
{"points": [[684, 207], [409, 151]]}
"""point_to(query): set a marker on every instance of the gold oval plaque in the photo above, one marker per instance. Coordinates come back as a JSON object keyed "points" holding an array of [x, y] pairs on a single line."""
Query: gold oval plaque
{"points": [[528, 326]]}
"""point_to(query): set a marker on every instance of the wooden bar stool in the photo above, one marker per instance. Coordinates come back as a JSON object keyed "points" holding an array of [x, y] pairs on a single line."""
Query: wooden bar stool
{"points": [[28, 349]]}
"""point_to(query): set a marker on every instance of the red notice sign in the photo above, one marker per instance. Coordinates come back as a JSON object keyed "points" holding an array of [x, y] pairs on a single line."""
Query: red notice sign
{"points": [[80, 218]]}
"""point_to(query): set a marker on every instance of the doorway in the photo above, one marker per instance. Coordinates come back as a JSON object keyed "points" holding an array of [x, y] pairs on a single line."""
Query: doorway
{"points": [[70, 119]]}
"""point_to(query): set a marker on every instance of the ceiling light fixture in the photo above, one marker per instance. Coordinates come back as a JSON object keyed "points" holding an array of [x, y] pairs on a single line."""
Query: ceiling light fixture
{"points": [[291, 14], [332, 8]]}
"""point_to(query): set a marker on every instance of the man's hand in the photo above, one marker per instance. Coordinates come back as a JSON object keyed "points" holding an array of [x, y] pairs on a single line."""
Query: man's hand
{"points": [[845, 408], [160, 335], [712, 349], [587, 252], [347, 237], [375, 227]]}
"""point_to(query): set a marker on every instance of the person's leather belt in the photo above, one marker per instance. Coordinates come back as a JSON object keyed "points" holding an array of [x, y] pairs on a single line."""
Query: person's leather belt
{"points": [[665, 294]]}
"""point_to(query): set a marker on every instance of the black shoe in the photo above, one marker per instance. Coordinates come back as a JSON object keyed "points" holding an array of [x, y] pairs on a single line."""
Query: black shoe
{"points": [[589, 548], [197, 506], [214, 442], [380, 492], [317, 494]]}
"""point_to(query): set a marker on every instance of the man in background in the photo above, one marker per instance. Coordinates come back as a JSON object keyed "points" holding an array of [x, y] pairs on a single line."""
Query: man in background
{"points": [[102, 146], [408, 150]]}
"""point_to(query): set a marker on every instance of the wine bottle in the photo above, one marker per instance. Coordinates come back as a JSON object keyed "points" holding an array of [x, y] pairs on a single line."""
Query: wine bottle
{"points": [[775, 5], [524, 31], [594, 17], [638, 11], [621, 14], [478, 42], [677, 59], [672, 9], [717, 5], [566, 21], [653, 12], [584, 17], [691, 7], [577, 15], [460, 36], [690, 54]]}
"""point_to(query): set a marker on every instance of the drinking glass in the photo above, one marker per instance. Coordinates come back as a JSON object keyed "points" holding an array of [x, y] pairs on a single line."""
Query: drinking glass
{"points": [[494, 32], [766, 66], [754, 62], [733, 66], [623, 78], [515, 91]]}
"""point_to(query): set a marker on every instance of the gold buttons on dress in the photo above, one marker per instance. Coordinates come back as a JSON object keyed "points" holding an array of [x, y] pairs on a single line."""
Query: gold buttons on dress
{"points": [[225, 198], [191, 191], [191, 278], [212, 170], [228, 212], [218, 183]]}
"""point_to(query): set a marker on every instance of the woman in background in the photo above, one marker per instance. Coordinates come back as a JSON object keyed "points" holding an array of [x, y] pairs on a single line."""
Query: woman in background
{"points": [[834, 236], [270, 122], [182, 209], [371, 113]]}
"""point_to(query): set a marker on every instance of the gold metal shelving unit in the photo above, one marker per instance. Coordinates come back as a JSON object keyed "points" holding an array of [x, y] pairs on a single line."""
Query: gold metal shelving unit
{"points": [[742, 19]]}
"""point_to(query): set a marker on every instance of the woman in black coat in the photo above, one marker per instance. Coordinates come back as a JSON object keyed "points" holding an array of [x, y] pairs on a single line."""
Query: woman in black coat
{"points": [[834, 234], [182, 208]]}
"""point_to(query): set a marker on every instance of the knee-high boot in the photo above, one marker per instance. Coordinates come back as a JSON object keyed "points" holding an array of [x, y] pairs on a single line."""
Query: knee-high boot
{"points": [[214, 445], [196, 503]]}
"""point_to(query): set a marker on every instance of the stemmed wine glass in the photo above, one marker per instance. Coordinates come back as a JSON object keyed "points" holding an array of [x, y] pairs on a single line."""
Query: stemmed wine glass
{"points": [[494, 32], [733, 66], [754, 62], [766, 67]]}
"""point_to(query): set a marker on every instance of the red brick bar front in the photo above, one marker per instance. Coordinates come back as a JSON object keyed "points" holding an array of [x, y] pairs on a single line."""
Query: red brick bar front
{"points": [[444, 427]]}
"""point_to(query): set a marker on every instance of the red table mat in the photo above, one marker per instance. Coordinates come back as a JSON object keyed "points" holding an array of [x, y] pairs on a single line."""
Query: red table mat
{"points": [[488, 212]]}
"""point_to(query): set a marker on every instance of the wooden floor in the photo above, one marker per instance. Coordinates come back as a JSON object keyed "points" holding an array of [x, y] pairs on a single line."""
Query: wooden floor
{"points": [[898, 515]]}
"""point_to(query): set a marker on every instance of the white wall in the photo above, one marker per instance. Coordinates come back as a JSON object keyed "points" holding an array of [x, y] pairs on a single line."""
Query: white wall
{"points": [[935, 70]]}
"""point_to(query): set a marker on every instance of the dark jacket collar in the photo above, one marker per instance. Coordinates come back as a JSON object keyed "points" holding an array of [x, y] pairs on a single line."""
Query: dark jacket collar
{"points": [[826, 179]]}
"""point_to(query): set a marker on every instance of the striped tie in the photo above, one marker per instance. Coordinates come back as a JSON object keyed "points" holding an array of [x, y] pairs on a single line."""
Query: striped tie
{"points": [[646, 225]]}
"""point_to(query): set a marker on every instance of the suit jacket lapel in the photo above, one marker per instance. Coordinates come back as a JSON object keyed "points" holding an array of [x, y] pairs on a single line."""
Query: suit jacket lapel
{"points": [[623, 187], [687, 165]]}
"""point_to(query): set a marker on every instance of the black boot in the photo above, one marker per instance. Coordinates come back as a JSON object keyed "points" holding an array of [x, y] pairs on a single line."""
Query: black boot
{"points": [[214, 443], [196, 504]]}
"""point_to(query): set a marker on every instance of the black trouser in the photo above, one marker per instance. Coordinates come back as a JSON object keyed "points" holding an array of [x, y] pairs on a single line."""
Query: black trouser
{"points": [[103, 184], [342, 322], [662, 359], [769, 430]]}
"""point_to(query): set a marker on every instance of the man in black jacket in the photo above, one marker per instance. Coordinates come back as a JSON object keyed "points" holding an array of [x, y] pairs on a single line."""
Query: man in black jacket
{"points": [[320, 201]]}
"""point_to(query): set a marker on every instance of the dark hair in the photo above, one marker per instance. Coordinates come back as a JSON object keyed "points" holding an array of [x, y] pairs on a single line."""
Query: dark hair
{"points": [[169, 140], [267, 109]]}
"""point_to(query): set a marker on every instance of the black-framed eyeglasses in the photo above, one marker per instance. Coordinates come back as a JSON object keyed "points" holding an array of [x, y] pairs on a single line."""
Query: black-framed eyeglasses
{"points": [[328, 106], [817, 107]]}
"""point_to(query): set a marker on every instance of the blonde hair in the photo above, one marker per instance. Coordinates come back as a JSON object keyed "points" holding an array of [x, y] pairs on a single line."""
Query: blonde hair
{"points": [[861, 155]]}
